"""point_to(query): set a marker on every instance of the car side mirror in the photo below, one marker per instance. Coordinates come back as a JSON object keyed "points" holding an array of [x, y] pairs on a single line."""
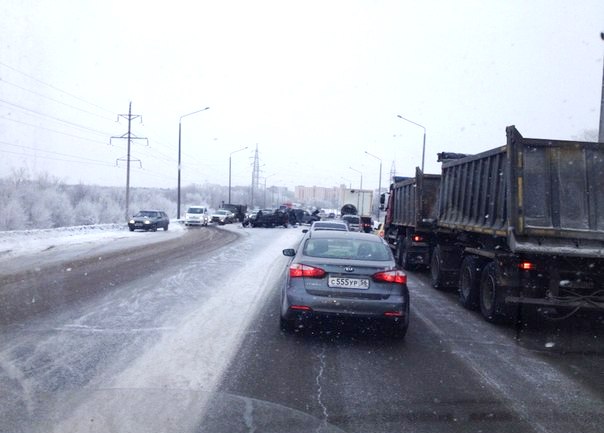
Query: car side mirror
{"points": [[304, 230], [289, 252]]}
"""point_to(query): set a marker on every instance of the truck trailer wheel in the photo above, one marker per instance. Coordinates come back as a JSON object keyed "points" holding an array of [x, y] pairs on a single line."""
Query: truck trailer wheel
{"points": [[438, 280], [469, 282], [490, 306]]}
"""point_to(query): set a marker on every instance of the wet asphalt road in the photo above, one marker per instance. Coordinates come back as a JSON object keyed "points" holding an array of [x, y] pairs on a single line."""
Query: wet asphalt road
{"points": [[452, 373]]}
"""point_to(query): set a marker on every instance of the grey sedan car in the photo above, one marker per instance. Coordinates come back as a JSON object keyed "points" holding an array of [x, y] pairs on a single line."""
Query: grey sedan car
{"points": [[344, 275]]}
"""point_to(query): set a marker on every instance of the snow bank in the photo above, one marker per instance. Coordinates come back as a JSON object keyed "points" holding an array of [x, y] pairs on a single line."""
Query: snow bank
{"points": [[30, 242]]}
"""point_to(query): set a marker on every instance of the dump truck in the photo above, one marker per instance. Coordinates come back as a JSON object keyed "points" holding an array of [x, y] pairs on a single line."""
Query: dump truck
{"points": [[516, 225], [409, 224]]}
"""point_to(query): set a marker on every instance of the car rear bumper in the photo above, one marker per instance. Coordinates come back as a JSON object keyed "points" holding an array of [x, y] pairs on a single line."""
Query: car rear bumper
{"points": [[395, 306]]}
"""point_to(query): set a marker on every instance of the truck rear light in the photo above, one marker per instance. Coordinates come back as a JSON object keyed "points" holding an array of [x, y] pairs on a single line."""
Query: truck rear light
{"points": [[298, 270], [417, 238], [527, 266], [396, 276]]}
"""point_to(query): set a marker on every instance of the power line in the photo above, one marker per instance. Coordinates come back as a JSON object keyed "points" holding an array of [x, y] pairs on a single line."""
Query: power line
{"points": [[55, 88], [55, 118], [55, 100], [53, 130], [90, 162]]}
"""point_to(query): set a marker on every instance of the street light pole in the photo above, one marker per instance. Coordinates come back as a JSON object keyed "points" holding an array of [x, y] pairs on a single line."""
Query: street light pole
{"points": [[230, 155], [266, 177], [424, 145], [379, 183], [360, 189], [179, 151]]}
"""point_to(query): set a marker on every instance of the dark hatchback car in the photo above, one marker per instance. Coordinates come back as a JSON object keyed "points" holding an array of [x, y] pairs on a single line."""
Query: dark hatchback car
{"points": [[149, 220], [345, 275]]}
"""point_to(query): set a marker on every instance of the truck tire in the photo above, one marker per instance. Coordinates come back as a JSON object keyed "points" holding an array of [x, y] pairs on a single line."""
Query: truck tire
{"points": [[438, 280], [469, 282], [490, 306], [404, 258], [398, 252]]}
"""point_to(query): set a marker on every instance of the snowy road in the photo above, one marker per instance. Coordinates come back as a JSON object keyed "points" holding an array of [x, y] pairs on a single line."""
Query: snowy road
{"points": [[169, 324], [182, 335]]}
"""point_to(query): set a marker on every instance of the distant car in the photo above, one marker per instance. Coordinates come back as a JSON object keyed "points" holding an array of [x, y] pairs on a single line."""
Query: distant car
{"points": [[344, 275], [328, 225], [223, 216], [353, 221], [197, 216], [149, 220], [270, 218], [305, 217]]}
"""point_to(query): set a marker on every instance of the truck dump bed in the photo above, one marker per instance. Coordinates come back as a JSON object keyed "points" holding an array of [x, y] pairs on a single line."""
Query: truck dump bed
{"points": [[415, 200], [544, 195]]}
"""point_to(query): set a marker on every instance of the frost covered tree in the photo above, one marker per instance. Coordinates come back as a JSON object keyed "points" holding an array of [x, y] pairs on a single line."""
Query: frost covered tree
{"points": [[12, 214], [86, 212]]}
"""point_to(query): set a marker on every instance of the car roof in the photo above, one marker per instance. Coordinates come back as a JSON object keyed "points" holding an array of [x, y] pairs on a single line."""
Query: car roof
{"points": [[340, 234]]}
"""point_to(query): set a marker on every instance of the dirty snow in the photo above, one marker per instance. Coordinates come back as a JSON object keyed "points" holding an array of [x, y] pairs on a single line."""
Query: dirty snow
{"points": [[23, 249]]}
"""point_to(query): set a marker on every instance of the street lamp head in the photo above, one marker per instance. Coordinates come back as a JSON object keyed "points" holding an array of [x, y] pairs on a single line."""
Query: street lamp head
{"points": [[376, 157]]}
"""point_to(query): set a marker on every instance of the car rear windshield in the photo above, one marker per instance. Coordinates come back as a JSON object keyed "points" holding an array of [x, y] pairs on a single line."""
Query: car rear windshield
{"points": [[355, 249], [352, 219], [329, 226]]}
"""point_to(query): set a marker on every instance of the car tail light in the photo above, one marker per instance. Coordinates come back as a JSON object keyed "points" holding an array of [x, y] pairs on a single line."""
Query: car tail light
{"points": [[299, 270], [417, 238], [527, 266], [300, 308], [395, 276], [393, 314]]}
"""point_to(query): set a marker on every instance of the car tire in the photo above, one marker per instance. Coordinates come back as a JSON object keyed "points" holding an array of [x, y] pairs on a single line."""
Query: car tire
{"points": [[469, 282], [166, 227], [154, 228], [131, 229], [287, 325], [399, 331]]}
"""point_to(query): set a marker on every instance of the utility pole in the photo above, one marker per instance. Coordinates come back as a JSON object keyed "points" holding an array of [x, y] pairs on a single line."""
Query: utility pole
{"points": [[129, 137], [255, 174], [601, 129]]}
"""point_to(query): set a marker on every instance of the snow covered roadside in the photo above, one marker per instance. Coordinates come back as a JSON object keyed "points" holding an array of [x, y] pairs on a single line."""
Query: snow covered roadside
{"points": [[23, 249], [192, 347]]}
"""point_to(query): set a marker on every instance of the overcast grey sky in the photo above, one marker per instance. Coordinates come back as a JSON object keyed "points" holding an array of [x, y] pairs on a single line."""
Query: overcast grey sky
{"points": [[314, 84]]}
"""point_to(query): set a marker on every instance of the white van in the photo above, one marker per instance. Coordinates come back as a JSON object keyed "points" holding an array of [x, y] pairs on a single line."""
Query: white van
{"points": [[197, 216]]}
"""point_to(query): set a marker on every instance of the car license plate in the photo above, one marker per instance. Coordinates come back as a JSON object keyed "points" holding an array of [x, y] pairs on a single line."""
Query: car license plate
{"points": [[348, 283]]}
